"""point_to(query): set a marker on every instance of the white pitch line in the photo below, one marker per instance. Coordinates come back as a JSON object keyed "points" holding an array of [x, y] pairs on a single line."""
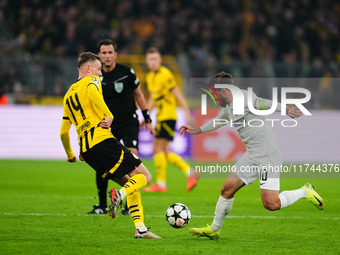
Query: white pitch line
{"points": [[259, 217], [193, 216], [33, 214]]}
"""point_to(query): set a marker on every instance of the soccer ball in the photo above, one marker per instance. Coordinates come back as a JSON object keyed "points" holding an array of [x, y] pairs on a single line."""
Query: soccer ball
{"points": [[178, 215]]}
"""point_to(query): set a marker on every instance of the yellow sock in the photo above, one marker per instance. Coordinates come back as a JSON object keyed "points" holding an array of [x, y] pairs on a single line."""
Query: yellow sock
{"points": [[177, 161], [135, 183], [136, 209], [161, 164]]}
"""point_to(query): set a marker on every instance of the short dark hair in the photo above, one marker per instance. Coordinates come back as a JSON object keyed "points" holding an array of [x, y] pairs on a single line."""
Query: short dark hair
{"points": [[85, 57], [153, 50], [107, 42], [221, 77]]}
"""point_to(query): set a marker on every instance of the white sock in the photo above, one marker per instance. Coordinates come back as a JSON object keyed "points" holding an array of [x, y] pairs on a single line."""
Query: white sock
{"points": [[161, 184], [289, 197], [142, 228], [223, 207], [122, 194]]}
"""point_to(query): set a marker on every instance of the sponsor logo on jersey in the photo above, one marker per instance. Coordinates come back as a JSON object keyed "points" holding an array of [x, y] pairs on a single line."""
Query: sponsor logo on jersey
{"points": [[86, 125]]}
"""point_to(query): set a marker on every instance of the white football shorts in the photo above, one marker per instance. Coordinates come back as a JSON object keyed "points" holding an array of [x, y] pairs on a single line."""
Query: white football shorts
{"points": [[267, 168]]}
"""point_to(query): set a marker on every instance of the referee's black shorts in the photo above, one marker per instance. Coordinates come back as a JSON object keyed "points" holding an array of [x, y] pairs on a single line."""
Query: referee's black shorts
{"points": [[111, 159], [126, 128]]}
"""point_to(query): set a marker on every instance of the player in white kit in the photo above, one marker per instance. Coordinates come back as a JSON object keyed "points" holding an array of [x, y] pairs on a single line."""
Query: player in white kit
{"points": [[262, 154]]}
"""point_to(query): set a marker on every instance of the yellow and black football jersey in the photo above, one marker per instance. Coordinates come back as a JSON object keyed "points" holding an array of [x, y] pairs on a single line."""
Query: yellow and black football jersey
{"points": [[159, 85], [85, 108]]}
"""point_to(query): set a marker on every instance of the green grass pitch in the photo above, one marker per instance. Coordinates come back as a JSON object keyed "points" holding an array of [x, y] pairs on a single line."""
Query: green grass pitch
{"points": [[44, 204]]}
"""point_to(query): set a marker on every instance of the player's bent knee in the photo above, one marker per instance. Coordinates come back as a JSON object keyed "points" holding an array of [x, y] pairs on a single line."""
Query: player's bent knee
{"points": [[270, 199], [143, 170], [148, 178], [227, 192], [271, 205]]}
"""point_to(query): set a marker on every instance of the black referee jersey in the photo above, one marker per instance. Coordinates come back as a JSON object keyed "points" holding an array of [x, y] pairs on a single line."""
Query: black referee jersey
{"points": [[118, 86]]}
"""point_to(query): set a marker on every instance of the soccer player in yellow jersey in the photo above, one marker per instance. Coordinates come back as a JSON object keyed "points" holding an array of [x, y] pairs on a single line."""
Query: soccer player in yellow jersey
{"points": [[85, 108], [164, 94]]}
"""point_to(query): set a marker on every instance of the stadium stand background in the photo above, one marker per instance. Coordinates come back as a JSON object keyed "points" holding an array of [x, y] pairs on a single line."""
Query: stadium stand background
{"points": [[40, 40]]}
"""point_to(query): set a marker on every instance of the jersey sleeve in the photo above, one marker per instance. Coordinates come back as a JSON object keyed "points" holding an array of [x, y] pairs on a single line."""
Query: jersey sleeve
{"points": [[170, 81], [65, 136], [147, 80], [216, 122], [97, 99], [263, 104], [65, 115], [134, 79], [94, 80]]}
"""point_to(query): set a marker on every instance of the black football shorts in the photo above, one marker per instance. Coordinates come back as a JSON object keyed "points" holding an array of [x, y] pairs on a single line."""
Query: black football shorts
{"points": [[111, 159], [166, 129]]}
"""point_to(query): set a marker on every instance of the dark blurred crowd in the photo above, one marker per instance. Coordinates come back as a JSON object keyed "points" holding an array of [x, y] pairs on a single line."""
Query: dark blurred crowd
{"points": [[288, 31], [250, 38]]}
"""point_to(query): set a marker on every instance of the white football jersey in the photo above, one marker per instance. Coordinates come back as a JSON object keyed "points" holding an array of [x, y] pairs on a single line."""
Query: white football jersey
{"points": [[255, 131]]}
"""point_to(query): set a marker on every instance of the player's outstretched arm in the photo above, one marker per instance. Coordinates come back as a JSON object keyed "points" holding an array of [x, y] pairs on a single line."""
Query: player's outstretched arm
{"points": [[293, 112], [219, 121], [65, 139], [190, 130], [264, 104]]}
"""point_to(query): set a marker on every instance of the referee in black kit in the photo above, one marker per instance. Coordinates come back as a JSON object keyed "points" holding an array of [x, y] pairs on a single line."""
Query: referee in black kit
{"points": [[121, 88]]}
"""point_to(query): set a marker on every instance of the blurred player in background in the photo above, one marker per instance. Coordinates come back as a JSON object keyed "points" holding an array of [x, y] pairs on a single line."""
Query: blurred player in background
{"points": [[85, 108], [262, 151], [163, 94], [121, 88]]}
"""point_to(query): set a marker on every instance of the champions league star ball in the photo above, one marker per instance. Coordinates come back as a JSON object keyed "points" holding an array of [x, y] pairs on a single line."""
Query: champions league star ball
{"points": [[178, 215]]}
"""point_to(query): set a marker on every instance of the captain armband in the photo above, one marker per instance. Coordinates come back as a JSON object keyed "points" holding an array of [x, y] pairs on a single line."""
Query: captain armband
{"points": [[265, 104]]}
